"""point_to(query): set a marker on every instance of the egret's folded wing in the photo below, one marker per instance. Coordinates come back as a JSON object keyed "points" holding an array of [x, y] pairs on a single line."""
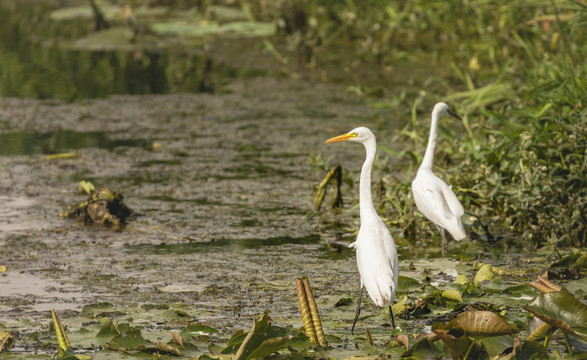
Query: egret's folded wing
{"points": [[452, 201]]}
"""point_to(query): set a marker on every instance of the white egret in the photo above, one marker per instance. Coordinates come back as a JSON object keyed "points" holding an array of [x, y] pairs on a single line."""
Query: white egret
{"points": [[376, 252], [433, 197]]}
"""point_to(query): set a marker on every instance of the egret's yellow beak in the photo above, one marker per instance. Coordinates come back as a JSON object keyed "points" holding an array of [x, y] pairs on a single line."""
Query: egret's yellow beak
{"points": [[343, 137]]}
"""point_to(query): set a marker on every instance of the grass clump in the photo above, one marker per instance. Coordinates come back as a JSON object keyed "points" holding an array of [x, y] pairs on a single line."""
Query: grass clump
{"points": [[521, 166]]}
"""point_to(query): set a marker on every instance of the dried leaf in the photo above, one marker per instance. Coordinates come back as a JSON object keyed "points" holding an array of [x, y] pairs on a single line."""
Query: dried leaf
{"points": [[177, 338], [404, 340], [6, 340], [479, 324]]}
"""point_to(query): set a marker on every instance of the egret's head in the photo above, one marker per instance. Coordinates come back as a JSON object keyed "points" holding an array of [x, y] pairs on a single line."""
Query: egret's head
{"points": [[360, 135], [442, 109]]}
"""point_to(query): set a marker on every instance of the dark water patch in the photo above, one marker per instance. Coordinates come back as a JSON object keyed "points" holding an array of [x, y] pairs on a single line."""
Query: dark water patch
{"points": [[167, 162], [247, 223], [198, 201], [259, 169], [31, 143], [215, 245]]}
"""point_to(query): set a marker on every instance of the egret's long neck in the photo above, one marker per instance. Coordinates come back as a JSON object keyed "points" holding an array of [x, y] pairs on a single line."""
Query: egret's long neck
{"points": [[429, 155], [366, 200]]}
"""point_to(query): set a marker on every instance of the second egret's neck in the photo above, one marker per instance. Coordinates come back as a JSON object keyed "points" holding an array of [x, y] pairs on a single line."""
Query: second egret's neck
{"points": [[366, 201], [428, 160]]}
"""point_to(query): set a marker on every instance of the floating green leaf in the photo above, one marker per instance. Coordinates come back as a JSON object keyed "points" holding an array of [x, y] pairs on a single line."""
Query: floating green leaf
{"points": [[196, 330], [560, 310], [207, 28], [485, 273], [404, 284], [462, 279], [452, 294], [128, 340]]}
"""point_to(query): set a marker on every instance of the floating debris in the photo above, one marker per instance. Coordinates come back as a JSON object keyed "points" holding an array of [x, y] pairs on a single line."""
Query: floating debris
{"points": [[103, 207]]}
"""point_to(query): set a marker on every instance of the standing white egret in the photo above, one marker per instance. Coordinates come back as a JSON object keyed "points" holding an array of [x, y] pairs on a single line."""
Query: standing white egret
{"points": [[376, 252], [433, 197]]}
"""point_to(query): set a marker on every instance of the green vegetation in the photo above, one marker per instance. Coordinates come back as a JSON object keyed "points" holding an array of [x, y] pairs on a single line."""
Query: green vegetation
{"points": [[465, 324], [517, 76]]}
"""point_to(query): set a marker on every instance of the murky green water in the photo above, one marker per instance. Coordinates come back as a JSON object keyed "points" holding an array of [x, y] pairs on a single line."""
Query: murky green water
{"points": [[221, 179]]}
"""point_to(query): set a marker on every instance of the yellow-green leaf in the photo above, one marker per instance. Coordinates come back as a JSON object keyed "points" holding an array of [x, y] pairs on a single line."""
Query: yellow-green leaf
{"points": [[462, 279], [485, 273], [452, 294]]}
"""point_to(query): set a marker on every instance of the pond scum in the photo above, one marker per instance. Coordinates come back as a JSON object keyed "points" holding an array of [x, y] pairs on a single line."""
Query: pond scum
{"points": [[516, 75]]}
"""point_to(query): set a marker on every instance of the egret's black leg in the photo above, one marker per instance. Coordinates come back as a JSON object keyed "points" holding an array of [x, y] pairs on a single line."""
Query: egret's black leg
{"points": [[391, 317], [358, 311], [444, 241]]}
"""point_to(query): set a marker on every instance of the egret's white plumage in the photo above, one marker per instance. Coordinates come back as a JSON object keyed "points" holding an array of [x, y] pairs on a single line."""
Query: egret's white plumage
{"points": [[433, 197], [376, 251]]}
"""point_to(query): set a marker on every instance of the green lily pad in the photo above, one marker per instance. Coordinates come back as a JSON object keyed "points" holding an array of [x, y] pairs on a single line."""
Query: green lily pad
{"points": [[405, 284], [83, 12], [560, 310], [462, 279], [452, 294], [485, 273], [497, 344], [208, 28], [114, 38], [197, 330], [128, 340]]}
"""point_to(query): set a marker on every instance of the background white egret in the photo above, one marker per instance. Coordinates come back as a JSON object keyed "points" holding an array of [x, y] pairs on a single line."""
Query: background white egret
{"points": [[376, 252], [433, 197]]}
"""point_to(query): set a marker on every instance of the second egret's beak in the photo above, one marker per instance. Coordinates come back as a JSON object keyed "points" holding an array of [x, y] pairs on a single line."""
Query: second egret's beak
{"points": [[343, 137], [453, 114]]}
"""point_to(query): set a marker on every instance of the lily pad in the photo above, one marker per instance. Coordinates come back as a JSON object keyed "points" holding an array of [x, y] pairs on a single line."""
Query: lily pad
{"points": [[197, 330], [560, 310], [485, 273], [480, 324], [452, 294], [208, 28], [83, 12], [405, 284], [112, 39], [128, 340]]}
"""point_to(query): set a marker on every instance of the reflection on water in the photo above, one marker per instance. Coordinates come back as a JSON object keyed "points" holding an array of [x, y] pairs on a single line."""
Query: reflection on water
{"points": [[223, 244], [27, 143], [34, 63]]}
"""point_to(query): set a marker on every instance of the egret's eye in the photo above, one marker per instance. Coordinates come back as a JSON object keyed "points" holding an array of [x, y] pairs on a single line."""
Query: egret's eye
{"points": [[355, 134]]}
